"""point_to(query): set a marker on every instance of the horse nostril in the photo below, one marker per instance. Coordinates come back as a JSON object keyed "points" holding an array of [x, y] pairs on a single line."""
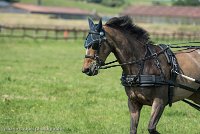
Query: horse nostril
{"points": [[85, 70]]}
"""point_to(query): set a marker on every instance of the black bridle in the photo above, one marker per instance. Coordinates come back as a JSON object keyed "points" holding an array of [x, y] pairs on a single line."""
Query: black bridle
{"points": [[94, 40], [102, 65]]}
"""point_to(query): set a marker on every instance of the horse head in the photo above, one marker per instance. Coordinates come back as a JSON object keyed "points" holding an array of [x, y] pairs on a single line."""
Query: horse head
{"points": [[97, 48]]}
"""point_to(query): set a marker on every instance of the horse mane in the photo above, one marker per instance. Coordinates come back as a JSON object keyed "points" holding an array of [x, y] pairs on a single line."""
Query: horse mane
{"points": [[126, 25]]}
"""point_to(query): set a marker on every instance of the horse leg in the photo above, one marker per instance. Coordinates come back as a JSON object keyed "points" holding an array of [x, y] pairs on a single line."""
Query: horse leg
{"points": [[157, 110], [134, 109]]}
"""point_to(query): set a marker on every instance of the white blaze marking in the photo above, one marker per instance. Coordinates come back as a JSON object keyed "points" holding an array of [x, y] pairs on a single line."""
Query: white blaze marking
{"points": [[86, 51]]}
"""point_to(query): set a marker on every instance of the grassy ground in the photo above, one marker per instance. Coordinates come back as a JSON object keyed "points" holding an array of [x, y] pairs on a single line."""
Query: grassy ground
{"points": [[45, 21], [42, 87]]}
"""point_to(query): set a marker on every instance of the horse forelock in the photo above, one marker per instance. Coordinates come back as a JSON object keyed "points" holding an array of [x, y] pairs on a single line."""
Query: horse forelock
{"points": [[126, 25]]}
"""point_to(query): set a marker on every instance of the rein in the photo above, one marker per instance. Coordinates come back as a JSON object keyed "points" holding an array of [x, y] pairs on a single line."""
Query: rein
{"points": [[107, 65], [170, 83], [190, 42], [133, 62]]}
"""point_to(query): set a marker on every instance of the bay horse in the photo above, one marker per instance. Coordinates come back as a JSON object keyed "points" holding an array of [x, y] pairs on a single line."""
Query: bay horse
{"points": [[128, 43]]}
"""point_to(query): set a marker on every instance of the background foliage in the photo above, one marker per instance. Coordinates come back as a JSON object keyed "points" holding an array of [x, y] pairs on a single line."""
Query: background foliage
{"points": [[186, 2], [110, 3], [11, 0]]}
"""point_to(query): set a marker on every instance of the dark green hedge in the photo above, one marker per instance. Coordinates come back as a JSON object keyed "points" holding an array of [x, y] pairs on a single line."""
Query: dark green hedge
{"points": [[186, 2], [110, 3]]}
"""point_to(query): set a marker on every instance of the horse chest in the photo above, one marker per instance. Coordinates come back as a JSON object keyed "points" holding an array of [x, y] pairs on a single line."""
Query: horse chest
{"points": [[142, 95]]}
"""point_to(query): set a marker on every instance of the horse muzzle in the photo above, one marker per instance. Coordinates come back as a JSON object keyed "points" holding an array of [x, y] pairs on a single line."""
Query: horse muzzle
{"points": [[92, 70]]}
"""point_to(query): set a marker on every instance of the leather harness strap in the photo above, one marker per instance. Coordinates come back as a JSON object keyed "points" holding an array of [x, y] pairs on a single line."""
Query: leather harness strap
{"points": [[94, 39], [172, 61], [141, 80]]}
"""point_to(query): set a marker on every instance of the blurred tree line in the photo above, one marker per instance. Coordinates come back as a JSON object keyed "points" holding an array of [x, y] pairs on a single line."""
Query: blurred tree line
{"points": [[110, 3], [11, 0], [186, 2], [117, 3]]}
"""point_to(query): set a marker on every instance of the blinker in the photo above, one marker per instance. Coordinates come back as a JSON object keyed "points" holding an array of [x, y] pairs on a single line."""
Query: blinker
{"points": [[95, 36], [91, 40], [94, 39]]}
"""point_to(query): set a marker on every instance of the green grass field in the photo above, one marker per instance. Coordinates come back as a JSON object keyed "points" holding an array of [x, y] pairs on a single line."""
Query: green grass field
{"points": [[42, 87]]}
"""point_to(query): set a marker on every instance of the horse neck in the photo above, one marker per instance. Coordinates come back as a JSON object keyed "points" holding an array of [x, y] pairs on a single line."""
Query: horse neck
{"points": [[127, 49]]}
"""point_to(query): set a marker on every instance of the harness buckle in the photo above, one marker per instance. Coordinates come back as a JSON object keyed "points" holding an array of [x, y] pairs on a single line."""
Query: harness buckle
{"points": [[155, 55]]}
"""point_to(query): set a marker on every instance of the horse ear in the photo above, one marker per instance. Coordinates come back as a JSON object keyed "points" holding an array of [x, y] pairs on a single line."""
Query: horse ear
{"points": [[99, 27], [91, 23]]}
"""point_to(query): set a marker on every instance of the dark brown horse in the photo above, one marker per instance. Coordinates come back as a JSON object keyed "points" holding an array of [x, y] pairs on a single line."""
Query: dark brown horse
{"points": [[129, 42]]}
